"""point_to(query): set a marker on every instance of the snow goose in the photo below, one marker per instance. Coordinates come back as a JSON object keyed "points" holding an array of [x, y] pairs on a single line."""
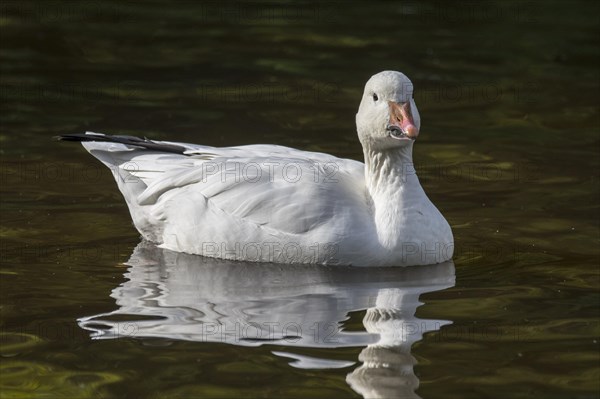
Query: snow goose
{"points": [[268, 203]]}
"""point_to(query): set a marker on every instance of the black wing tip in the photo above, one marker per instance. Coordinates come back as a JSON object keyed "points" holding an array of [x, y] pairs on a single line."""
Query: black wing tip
{"points": [[80, 137], [68, 137], [127, 140]]}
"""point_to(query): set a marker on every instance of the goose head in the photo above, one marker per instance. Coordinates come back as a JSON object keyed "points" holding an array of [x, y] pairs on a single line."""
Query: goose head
{"points": [[387, 117]]}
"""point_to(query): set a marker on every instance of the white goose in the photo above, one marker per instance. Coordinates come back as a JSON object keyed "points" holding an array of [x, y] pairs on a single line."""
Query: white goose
{"points": [[269, 203]]}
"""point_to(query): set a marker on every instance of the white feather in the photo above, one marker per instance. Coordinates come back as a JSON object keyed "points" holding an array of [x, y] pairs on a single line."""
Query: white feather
{"points": [[271, 203]]}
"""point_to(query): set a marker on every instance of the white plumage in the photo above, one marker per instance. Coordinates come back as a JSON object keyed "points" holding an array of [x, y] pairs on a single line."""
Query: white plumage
{"points": [[270, 203]]}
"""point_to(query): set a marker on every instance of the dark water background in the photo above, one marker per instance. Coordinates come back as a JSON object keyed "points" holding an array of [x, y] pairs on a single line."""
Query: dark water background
{"points": [[509, 152]]}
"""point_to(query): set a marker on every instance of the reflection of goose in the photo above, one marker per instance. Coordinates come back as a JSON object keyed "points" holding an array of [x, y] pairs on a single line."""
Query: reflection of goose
{"points": [[387, 369], [185, 297]]}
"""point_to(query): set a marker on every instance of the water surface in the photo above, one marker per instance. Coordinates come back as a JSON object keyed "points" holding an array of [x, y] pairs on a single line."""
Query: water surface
{"points": [[508, 96]]}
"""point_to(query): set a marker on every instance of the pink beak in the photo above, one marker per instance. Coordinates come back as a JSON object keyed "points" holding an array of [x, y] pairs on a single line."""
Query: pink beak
{"points": [[401, 118]]}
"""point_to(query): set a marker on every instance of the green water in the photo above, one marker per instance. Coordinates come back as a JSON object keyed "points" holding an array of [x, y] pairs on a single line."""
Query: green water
{"points": [[509, 152]]}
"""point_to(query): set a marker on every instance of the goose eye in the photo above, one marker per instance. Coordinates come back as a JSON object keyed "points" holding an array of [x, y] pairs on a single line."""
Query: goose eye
{"points": [[375, 98]]}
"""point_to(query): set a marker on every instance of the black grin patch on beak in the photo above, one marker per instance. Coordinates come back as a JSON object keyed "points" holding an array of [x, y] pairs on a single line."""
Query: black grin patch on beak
{"points": [[397, 133]]}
